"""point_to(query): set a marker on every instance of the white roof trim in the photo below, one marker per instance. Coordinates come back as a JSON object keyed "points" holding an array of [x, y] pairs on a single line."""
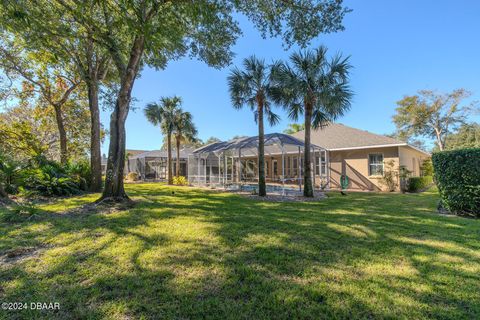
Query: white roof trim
{"points": [[381, 146], [419, 150], [369, 147]]}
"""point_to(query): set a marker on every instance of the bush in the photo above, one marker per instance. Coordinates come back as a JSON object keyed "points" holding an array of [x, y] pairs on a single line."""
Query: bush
{"points": [[416, 184], [132, 176], [180, 181], [47, 182], [389, 178], [427, 167], [80, 173], [457, 174], [41, 176], [9, 173]]}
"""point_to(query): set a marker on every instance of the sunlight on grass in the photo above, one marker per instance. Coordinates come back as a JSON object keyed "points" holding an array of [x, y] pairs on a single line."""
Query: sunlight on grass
{"points": [[195, 253]]}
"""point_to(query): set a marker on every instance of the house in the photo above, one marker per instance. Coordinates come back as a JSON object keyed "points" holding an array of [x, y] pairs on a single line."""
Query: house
{"points": [[363, 156], [152, 165], [337, 150], [235, 162], [128, 152]]}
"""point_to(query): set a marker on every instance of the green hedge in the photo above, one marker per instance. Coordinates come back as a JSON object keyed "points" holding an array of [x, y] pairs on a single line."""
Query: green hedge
{"points": [[416, 184], [457, 174]]}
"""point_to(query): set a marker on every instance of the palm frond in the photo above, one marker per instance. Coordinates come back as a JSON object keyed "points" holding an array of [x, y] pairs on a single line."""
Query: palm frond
{"points": [[152, 113], [272, 118]]}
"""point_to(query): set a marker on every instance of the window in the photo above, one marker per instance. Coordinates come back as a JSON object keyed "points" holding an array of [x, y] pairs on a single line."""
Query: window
{"points": [[375, 164], [321, 164]]}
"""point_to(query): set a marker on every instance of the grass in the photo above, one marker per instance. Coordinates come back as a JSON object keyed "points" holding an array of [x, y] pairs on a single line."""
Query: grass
{"points": [[199, 254]]}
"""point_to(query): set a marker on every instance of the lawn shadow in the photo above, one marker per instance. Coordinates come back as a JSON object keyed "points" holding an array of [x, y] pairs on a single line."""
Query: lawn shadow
{"points": [[200, 254]]}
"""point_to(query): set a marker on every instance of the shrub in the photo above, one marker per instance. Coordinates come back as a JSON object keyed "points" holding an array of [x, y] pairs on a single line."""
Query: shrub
{"points": [[132, 176], [416, 184], [403, 176], [457, 174], [9, 173], [427, 167], [48, 181], [180, 181], [80, 173], [389, 178]]}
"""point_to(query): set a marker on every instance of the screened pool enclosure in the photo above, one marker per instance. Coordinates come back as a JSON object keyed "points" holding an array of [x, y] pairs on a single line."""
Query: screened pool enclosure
{"points": [[152, 165], [235, 162]]}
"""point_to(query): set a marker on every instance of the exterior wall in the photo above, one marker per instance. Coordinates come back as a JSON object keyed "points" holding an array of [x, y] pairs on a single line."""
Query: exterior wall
{"points": [[411, 159], [354, 164]]}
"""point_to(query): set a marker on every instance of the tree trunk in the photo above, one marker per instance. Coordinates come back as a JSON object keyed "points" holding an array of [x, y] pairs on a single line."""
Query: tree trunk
{"points": [[307, 170], [62, 133], [95, 152], [262, 189], [440, 142], [114, 188], [3, 193], [177, 171], [169, 158]]}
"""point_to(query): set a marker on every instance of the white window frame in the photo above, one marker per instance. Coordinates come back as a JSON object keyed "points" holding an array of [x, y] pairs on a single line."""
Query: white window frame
{"points": [[369, 164]]}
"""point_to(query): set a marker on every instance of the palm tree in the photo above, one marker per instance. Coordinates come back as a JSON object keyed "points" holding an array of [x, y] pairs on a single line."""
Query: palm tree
{"points": [[251, 87], [165, 114], [184, 131], [316, 87]]}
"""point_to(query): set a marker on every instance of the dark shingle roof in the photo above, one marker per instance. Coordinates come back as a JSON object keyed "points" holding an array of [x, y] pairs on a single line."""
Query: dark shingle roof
{"points": [[339, 136]]}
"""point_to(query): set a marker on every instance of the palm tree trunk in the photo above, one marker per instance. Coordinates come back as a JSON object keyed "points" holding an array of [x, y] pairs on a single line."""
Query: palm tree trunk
{"points": [[307, 170], [169, 158], [178, 141], [95, 152], [262, 189]]}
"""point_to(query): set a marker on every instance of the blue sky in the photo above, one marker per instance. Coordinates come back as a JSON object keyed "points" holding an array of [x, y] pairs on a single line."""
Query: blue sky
{"points": [[396, 48]]}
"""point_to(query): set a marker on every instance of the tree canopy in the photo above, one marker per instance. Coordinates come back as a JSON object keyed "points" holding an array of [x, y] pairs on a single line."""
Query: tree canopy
{"points": [[294, 127], [146, 32], [467, 136], [433, 115]]}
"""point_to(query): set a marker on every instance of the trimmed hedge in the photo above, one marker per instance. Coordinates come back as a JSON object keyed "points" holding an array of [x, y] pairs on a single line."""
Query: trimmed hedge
{"points": [[457, 174], [416, 184]]}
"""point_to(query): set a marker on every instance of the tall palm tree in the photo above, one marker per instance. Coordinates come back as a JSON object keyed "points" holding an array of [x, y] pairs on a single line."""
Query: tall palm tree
{"points": [[184, 131], [316, 87], [251, 87], [165, 114]]}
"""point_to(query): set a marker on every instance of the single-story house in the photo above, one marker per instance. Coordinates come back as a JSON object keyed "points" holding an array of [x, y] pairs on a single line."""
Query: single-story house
{"points": [[363, 156], [129, 153], [337, 150], [152, 165]]}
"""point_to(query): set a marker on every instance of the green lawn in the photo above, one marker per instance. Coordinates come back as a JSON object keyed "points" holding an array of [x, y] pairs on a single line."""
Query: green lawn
{"points": [[199, 254]]}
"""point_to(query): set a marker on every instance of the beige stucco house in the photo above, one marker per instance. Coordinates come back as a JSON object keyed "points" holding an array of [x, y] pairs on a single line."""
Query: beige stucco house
{"points": [[363, 156]]}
